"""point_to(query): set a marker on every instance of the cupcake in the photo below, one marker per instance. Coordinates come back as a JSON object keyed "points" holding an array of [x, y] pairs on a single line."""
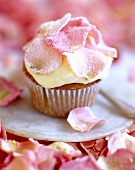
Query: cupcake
{"points": [[64, 65]]}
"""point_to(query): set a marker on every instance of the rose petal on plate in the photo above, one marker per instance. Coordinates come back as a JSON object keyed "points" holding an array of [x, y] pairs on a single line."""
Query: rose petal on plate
{"points": [[41, 58], [82, 119], [86, 162], [69, 40], [86, 62], [8, 92], [53, 27]]}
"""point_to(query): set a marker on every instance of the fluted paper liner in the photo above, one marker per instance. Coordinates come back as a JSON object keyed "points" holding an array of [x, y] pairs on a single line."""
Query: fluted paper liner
{"points": [[57, 102]]}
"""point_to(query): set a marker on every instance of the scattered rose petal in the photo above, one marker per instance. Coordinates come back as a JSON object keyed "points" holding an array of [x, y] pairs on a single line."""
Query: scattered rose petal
{"points": [[68, 149], [48, 157], [8, 92], [96, 147], [122, 159], [89, 62], [53, 27], [116, 141], [87, 163], [20, 163], [121, 140], [3, 134], [14, 146], [41, 57], [82, 119]]}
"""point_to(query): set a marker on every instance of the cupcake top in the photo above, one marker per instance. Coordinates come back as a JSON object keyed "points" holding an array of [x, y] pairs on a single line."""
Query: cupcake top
{"points": [[69, 50]]}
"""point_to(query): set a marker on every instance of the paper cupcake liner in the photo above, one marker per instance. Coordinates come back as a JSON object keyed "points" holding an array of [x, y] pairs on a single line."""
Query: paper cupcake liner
{"points": [[57, 102]]}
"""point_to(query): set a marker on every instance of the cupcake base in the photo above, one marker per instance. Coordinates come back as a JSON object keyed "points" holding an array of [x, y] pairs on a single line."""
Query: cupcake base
{"points": [[58, 101]]}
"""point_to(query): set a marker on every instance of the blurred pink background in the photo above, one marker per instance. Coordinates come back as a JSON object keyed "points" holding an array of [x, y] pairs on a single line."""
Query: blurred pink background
{"points": [[20, 19]]}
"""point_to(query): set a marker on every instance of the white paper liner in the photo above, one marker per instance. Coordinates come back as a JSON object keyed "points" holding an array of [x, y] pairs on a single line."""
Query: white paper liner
{"points": [[57, 102]]}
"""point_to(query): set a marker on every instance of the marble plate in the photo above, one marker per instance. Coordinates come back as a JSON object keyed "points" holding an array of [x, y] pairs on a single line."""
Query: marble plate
{"points": [[20, 118]]}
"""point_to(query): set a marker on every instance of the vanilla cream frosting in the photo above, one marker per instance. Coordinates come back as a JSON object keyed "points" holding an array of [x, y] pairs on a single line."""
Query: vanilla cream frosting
{"points": [[69, 50]]}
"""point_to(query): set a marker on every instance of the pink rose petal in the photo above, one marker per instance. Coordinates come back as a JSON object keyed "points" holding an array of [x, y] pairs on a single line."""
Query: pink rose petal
{"points": [[108, 51], [120, 140], [21, 163], [3, 134], [122, 159], [86, 163], [69, 40], [96, 35], [41, 57], [53, 27], [8, 92], [77, 21], [89, 62], [82, 119]]}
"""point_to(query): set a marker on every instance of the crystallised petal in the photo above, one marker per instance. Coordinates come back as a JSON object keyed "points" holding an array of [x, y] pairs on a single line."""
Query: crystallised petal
{"points": [[86, 62], [94, 37], [69, 40], [41, 58], [75, 40], [96, 34], [108, 51], [78, 21], [82, 119], [8, 92], [53, 27]]}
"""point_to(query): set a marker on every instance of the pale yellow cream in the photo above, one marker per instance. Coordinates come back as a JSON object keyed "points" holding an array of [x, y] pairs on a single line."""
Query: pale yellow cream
{"points": [[64, 75]]}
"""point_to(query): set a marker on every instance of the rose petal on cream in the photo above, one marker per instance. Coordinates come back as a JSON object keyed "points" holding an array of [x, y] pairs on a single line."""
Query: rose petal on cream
{"points": [[69, 40], [89, 62], [77, 21], [108, 51], [82, 119], [53, 27], [8, 92], [41, 58], [95, 33], [59, 42], [94, 37]]}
